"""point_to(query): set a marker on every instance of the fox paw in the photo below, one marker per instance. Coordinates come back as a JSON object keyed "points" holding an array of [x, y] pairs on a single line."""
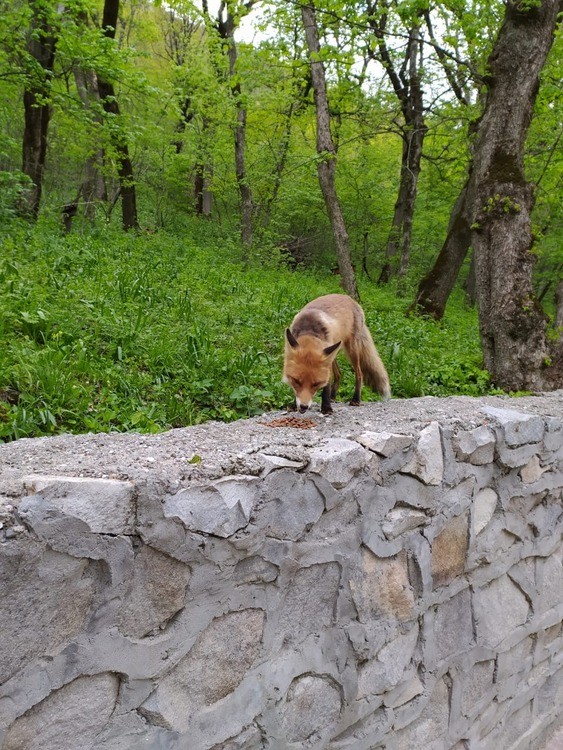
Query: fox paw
{"points": [[354, 402]]}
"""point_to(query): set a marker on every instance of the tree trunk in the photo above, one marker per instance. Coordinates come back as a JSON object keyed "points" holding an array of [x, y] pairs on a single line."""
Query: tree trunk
{"points": [[435, 288], [399, 240], [511, 323], [247, 206], [327, 154], [411, 99], [110, 105], [92, 190], [37, 111]]}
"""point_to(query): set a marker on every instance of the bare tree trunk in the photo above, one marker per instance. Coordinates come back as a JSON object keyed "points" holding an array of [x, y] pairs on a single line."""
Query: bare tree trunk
{"points": [[37, 111], [414, 131], [435, 288], [327, 154], [110, 105], [512, 325], [93, 187], [226, 28], [247, 205]]}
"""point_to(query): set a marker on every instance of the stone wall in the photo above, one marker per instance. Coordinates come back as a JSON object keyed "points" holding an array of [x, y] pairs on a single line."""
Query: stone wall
{"points": [[389, 578]]}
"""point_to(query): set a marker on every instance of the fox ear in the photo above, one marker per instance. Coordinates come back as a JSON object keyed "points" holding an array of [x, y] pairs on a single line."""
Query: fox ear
{"points": [[292, 341], [330, 349]]}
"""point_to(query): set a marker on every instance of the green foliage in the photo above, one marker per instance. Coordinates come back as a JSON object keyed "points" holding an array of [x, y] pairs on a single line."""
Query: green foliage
{"points": [[105, 331]]}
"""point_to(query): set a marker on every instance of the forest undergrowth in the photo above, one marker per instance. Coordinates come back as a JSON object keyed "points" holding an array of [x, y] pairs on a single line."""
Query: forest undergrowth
{"points": [[106, 331]]}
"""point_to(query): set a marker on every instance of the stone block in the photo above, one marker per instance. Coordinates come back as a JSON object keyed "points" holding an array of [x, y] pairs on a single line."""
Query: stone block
{"points": [[453, 626], [403, 693], [476, 684], [220, 508], [46, 600], [338, 460], [484, 507], [518, 428], [381, 674], [499, 608], [106, 505], [273, 463], [431, 726], [250, 738], [475, 446], [310, 710], [213, 668], [427, 463], [386, 444], [449, 551], [400, 520], [381, 587], [255, 569], [516, 660], [550, 581], [157, 592], [70, 718], [532, 471], [291, 503], [309, 605]]}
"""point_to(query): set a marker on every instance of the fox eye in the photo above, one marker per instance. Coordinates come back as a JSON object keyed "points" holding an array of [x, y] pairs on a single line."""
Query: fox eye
{"points": [[316, 386], [296, 382]]}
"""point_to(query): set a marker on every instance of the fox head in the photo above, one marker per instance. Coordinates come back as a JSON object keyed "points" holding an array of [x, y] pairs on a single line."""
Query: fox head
{"points": [[307, 366]]}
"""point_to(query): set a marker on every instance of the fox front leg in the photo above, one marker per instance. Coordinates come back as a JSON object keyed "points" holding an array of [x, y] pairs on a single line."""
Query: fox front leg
{"points": [[326, 407]]}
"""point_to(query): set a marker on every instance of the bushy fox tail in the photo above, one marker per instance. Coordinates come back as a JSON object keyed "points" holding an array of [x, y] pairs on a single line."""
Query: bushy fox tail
{"points": [[373, 370]]}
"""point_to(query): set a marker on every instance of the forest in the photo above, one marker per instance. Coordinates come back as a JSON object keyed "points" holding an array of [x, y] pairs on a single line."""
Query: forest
{"points": [[177, 179]]}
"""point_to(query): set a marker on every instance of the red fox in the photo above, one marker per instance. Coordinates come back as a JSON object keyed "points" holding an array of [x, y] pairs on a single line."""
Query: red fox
{"points": [[312, 343]]}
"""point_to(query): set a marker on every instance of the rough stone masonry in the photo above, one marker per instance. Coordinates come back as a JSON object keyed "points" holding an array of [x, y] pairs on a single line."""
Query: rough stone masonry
{"points": [[390, 578]]}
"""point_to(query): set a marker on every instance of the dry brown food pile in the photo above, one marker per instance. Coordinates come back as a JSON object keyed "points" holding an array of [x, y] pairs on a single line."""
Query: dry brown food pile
{"points": [[300, 423]]}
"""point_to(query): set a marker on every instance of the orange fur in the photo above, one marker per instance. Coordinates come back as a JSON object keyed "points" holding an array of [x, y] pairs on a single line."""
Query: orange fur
{"points": [[312, 344]]}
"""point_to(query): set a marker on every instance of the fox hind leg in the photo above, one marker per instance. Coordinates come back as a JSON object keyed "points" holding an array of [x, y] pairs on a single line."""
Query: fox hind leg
{"points": [[336, 374], [354, 356]]}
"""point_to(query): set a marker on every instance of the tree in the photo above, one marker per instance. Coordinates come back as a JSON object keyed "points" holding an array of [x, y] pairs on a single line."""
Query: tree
{"points": [[407, 86], [511, 322], [228, 18], [326, 151], [111, 107], [41, 47]]}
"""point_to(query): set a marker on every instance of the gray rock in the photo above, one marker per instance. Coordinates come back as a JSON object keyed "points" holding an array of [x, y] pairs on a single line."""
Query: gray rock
{"points": [[400, 520], [71, 718], [519, 428], [157, 592], [291, 504], [427, 464], [106, 505], [221, 508], [338, 460], [381, 674], [453, 626], [46, 600], [483, 509], [310, 710], [499, 608], [386, 444], [476, 446], [214, 667]]}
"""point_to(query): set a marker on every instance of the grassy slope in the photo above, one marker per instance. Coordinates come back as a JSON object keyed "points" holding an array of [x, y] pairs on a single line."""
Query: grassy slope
{"points": [[116, 332]]}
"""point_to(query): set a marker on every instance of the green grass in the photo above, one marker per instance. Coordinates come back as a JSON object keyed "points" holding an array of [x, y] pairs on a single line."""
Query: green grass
{"points": [[111, 331]]}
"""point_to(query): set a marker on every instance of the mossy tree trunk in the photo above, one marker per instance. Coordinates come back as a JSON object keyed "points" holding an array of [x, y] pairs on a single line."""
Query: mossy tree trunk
{"points": [[512, 325]]}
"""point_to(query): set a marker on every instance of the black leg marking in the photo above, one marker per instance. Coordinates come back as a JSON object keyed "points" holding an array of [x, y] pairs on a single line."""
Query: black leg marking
{"points": [[326, 408]]}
